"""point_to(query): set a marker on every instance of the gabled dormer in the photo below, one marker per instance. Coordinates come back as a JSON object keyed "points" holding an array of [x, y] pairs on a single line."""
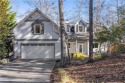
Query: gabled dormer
{"points": [[78, 27]]}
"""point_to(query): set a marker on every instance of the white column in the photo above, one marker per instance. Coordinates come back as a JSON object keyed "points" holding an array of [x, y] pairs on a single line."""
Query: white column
{"points": [[88, 47]]}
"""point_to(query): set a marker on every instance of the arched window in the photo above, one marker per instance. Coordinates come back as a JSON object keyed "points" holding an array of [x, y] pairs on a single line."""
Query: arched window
{"points": [[37, 29]]}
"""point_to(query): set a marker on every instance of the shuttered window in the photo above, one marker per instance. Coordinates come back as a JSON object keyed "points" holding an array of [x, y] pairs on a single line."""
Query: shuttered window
{"points": [[37, 27]]}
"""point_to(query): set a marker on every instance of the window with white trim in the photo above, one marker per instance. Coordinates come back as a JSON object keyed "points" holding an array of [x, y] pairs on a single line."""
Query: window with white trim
{"points": [[68, 28], [37, 29], [80, 28], [80, 48]]}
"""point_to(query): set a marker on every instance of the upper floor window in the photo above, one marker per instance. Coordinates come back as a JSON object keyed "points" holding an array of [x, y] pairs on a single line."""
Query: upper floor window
{"points": [[68, 28], [80, 28], [72, 29], [37, 27]]}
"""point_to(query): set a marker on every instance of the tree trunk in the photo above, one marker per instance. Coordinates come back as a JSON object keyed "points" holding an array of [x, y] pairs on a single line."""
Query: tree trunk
{"points": [[90, 31], [117, 1], [100, 48], [61, 13]]}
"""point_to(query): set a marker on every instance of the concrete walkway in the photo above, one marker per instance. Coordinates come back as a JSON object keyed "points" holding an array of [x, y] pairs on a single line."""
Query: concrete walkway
{"points": [[27, 71]]}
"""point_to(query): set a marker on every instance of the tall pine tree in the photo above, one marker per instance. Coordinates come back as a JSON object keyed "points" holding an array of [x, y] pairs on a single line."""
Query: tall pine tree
{"points": [[7, 17], [7, 22]]}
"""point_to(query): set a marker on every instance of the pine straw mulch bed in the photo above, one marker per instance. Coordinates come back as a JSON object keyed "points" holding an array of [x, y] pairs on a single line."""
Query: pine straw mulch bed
{"points": [[110, 69]]}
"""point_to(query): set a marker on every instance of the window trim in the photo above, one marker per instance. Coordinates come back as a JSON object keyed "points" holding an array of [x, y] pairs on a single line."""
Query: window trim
{"points": [[79, 28], [68, 28], [33, 25], [80, 44], [34, 28], [83, 31]]}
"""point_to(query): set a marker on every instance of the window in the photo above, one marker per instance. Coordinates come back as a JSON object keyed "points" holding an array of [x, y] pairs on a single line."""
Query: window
{"points": [[68, 28], [72, 29], [80, 48], [95, 45], [37, 29], [80, 28]]}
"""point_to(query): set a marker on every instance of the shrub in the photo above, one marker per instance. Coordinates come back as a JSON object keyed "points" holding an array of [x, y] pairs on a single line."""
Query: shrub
{"points": [[78, 55], [4, 61], [104, 55], [100, 56], [120, 49]]}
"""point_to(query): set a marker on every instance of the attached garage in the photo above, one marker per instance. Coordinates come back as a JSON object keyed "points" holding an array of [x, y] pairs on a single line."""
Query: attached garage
{"points": [[37, 51], [37, 37]]}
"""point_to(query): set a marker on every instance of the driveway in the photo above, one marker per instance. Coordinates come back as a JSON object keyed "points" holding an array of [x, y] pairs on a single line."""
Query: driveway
{"points": [[24, 71]]}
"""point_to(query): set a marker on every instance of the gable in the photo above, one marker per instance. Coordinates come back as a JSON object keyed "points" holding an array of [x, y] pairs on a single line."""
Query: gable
{"points": [[24, 29], [82, 23], [36, 15]]}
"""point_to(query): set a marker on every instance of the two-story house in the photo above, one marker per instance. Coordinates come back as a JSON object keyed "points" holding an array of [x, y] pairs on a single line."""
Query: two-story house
{"points": [[78, 37]]}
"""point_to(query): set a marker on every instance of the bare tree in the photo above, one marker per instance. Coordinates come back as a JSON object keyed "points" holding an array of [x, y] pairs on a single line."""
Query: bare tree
{"points": [[61, 13], [46, 6], [90, 31], [117, 7], [98, 11], [80, 10]]}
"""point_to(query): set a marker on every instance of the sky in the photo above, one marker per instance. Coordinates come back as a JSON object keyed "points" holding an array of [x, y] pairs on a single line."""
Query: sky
{"points": [[21, 7]]}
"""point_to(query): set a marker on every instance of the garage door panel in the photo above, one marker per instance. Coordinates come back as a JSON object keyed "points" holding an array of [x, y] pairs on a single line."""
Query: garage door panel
{"points": [[35, 51]]}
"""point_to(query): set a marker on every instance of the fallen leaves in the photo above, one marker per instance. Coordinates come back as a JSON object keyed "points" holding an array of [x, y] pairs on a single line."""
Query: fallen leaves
{"points": [[111, 69]]}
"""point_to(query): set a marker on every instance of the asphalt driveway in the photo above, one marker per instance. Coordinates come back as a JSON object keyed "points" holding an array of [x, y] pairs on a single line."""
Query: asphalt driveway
{"points": [[24, 71]]}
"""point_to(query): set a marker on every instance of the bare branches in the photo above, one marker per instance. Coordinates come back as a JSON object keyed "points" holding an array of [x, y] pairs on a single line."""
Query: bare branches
{"points": [[46, 6]]}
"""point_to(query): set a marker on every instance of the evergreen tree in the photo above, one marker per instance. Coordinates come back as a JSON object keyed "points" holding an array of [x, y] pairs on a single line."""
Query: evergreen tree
{"points": [[7, 22]]}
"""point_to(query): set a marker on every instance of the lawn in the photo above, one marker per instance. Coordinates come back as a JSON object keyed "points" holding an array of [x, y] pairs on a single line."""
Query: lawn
{"points": [[110, 69]]}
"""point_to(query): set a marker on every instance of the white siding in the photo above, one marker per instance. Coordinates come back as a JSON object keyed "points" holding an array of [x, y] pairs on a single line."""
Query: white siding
{"points": [[24, 32], [72, 48]]}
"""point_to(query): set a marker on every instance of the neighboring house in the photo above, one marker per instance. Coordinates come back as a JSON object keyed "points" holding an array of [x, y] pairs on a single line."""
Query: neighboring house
{"points": [[36, 37], [78, 40]]}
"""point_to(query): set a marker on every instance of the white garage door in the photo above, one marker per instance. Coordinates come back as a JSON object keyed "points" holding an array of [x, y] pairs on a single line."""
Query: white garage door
{"points": [[36, 51]]}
